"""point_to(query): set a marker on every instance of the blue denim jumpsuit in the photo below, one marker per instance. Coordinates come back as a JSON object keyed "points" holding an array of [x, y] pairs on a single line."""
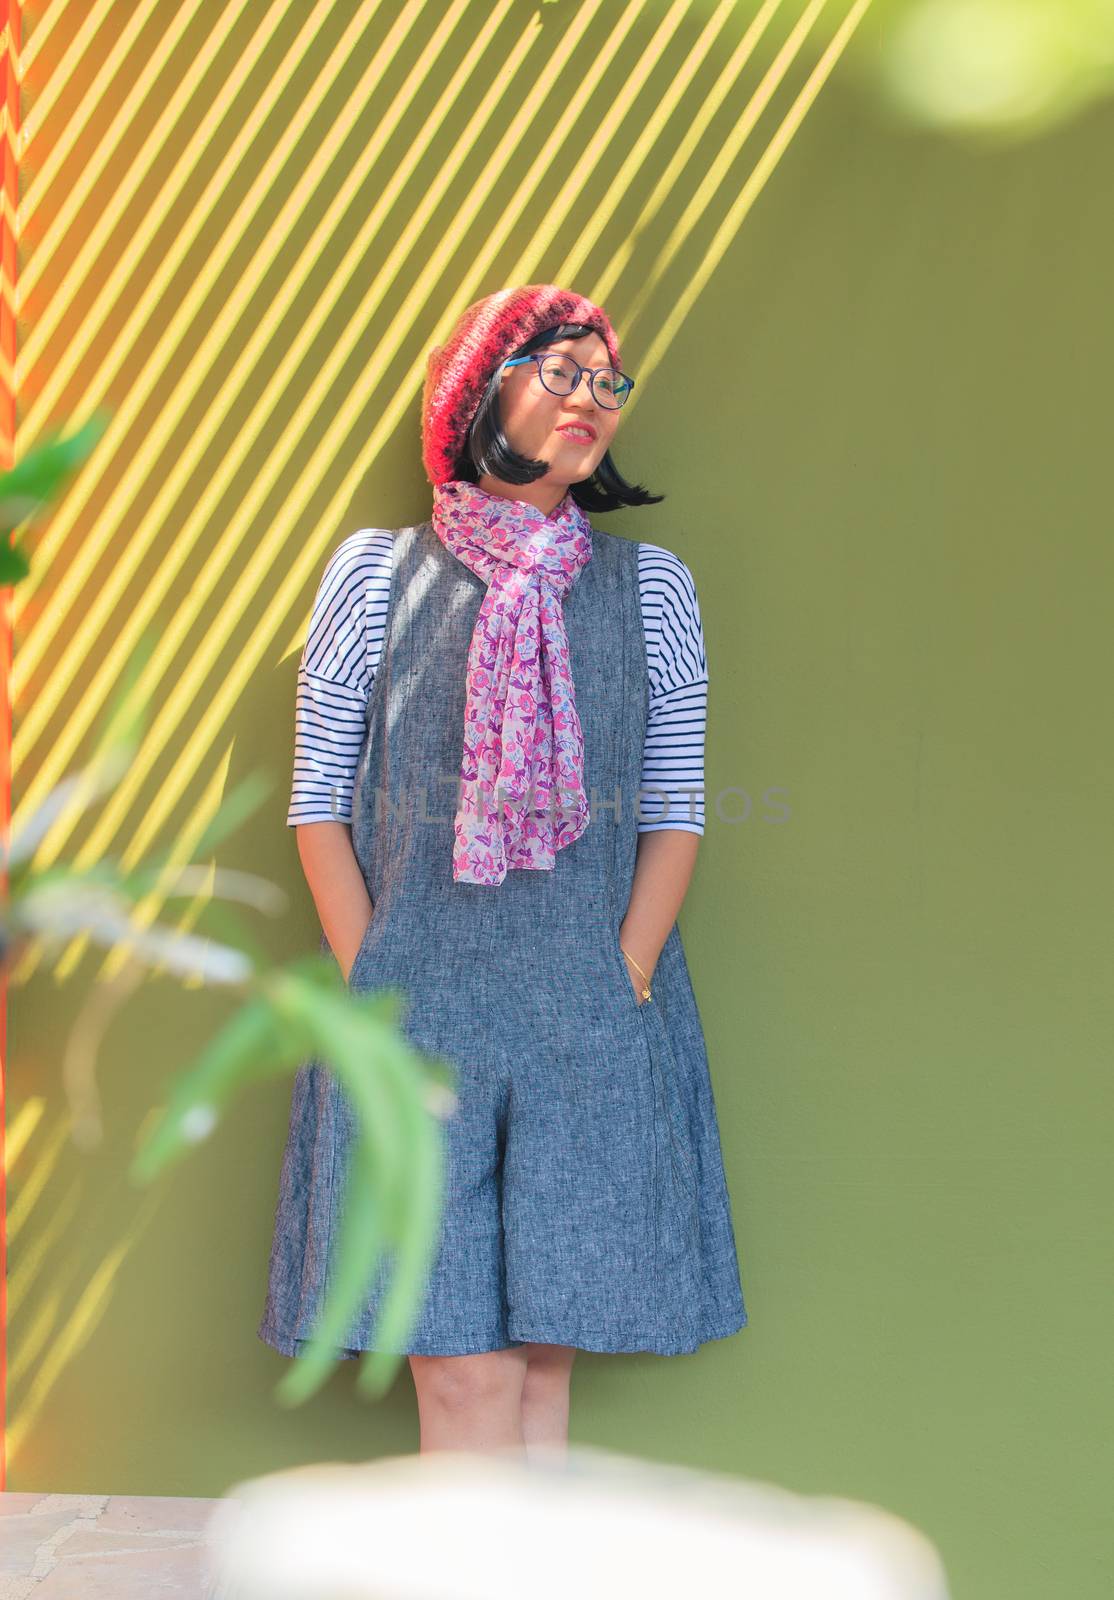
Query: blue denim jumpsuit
{"points": [[585, 1200]]}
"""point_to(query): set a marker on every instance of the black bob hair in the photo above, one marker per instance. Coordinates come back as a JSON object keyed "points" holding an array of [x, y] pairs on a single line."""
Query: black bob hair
{"points": [[488, 450]]}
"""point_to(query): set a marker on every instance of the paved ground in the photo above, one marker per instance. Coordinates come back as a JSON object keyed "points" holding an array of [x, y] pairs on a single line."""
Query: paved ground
{"points": [[101, 1547]]}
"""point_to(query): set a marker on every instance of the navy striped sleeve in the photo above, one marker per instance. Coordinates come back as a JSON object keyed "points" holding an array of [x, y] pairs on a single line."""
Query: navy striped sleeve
{"points": [[673, 758], [335, 675]]}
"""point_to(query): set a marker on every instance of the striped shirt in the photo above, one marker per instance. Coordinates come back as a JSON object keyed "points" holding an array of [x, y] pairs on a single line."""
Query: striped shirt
{"points": [[343, 649]]}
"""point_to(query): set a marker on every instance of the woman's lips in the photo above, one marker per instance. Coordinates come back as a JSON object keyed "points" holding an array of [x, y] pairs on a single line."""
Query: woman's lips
{"points": [[576, 438]]}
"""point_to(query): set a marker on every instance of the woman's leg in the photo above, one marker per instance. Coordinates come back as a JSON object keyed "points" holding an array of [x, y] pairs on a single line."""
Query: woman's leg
{"points": [[471, 1402], [545, 1396]]}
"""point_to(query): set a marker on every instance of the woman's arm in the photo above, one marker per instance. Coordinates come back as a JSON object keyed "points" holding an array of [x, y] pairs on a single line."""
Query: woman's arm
{"points": [[337, 886], [663, 867], [672, 756]]}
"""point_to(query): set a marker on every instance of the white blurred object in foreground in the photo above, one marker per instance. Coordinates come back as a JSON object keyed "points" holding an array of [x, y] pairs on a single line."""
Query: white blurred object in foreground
{"points": [[454, 1525]]}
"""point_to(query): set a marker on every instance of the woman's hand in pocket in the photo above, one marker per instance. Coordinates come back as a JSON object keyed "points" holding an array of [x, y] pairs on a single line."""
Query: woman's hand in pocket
{"points": [[351, 962], [637, 982], [336, 881]]}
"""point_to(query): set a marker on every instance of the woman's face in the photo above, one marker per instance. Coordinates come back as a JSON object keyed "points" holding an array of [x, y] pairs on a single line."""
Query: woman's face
{"points": [[533, 418]]}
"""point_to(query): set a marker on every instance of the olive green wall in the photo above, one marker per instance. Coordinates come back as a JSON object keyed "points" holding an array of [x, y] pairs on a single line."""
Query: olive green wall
{"points": [[881, 432]]}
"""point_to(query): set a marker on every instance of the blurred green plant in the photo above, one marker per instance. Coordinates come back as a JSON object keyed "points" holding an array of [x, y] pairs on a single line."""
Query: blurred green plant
{"points": [[995, 71], [285, 1015], [1002, 69]]}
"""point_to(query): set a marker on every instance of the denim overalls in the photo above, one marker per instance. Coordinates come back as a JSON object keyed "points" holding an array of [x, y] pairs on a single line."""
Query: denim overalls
{"points": [[585, 1200]]}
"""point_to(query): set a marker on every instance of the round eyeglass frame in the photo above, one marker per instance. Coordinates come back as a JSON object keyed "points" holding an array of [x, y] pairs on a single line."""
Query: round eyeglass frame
{"points": [[542, 356]]}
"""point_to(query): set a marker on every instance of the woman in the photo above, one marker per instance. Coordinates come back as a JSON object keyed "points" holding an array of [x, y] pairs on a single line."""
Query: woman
{"points": [[508, 701]]}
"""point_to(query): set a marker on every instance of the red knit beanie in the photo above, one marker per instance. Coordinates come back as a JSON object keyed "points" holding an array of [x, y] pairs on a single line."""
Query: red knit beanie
{"points": [[490, 330]]}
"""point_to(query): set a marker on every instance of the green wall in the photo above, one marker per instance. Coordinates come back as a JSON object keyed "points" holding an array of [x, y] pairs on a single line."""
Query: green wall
{"points": [[881, 434]]}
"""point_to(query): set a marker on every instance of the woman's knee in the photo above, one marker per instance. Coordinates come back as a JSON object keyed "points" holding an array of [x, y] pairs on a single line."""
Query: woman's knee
{"points": [[460, 1382], [549, 1360]]}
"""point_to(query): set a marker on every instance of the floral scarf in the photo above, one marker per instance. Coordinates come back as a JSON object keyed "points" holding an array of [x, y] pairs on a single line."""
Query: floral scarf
{"points": [[521, 730]]}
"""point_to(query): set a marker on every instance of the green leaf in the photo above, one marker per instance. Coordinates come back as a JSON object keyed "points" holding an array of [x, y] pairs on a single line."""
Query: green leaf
{"points": [[43, 471], [200, 1093], [384, 1159], [235, 807], [14, 565]]}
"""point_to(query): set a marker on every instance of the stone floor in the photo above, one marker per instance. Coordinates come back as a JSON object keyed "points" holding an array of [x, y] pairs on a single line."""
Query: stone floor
{"points": [[97, 1546]]}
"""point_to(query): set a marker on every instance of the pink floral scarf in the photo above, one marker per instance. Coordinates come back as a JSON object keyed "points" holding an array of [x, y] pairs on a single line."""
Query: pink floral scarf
{"points": [[521, 730]]}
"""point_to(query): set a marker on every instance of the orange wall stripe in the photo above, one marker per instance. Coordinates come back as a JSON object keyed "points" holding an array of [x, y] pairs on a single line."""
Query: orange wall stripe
{"points": [[10, 34]]}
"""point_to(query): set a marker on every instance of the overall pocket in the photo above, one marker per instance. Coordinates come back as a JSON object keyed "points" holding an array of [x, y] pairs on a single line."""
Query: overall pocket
{"points": [[663, 1066], [372, 930], [628, 986]]}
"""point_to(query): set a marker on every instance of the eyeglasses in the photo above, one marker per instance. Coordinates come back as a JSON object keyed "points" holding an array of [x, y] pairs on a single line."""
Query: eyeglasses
{"points": [[560, 374]]}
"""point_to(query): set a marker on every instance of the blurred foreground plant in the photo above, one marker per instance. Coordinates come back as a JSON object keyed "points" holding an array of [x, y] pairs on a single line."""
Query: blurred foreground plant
{"points": [[996, 72], [285, 1014]]}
